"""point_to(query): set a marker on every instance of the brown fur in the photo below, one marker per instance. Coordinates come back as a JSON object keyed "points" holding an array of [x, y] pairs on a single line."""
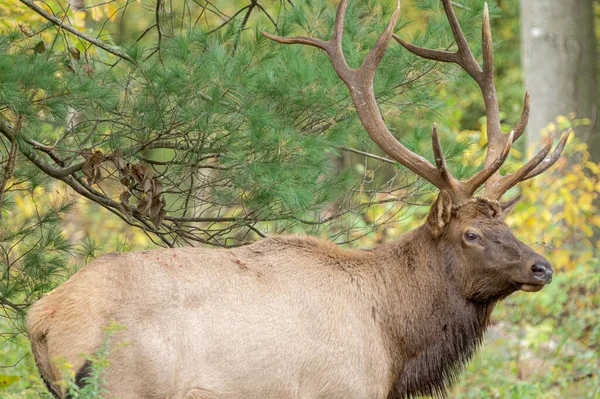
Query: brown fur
{"points": [[290, 317]]}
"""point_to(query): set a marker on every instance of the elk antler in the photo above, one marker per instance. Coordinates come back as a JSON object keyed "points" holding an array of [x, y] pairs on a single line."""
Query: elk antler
{"points": [[498, 141], [360, 84]]}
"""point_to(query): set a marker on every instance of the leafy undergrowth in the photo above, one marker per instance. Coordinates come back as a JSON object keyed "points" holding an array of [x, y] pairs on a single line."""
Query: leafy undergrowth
{"points": [[544, 345], [19, 377], [26, 383]]}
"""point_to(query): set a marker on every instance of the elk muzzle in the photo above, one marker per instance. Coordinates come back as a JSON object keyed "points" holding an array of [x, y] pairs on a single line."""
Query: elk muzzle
{"points": [[541, 273]]}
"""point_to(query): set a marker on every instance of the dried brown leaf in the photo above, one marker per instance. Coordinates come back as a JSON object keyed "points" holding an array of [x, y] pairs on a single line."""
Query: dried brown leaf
{"points": [[124, 204], [124, 197], [127, 181], [88, 69], [97, 157], [26, 31], [139, 171], [147, 186], [98, 174], [158, 188], [145, 205], [40, 47], [74, 52], [157, 212], [88, 172], [157, 220], [119, 162]]}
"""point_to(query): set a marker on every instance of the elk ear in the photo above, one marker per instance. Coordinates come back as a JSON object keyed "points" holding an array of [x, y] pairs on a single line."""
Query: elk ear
{"points": [[439, 214], [508, 206]]}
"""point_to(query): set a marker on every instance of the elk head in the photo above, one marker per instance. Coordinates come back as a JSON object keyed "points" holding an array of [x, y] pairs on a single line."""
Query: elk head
{"points": [[481, 253], [481, 243]]}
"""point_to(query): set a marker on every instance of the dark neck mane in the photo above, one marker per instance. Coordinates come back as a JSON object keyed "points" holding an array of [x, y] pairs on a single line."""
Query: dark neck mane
{"points": [[451, 331], [437, 368]]}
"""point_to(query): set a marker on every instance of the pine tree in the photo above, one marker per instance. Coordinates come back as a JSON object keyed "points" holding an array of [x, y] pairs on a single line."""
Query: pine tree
{"points": [[213, 136]]}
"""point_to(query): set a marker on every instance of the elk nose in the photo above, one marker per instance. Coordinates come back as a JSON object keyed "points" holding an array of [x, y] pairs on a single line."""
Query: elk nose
{"points": [[543, 270]]}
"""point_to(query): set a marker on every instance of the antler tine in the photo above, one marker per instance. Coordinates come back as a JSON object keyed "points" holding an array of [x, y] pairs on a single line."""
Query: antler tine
{"points": [[461, 40], [524, 119], [338, 27], [506, 182], [463, 57], [372, 60], [487, 45], [360, 84], [310, 41], [488, 87], [551, 160], [430, 54], [498, 142], [440, 160], [473, 183], [333, 47]]}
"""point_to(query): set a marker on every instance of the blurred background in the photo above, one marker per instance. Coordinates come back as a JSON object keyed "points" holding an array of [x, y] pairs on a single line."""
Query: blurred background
{"points": [[134, 124]]}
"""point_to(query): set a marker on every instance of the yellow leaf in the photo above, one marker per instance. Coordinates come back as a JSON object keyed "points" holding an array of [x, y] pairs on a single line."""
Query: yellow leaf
{"points": [[562, 119], [560, 258], [111, 11], [595, 220], [79, 19], [6, 380], [587, 230], [96, 14]]}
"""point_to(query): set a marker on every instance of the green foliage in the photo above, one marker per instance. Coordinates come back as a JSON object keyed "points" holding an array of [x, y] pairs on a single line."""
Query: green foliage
{"points": [[34, 258], [99, 360], [34, 251], [543, 345]]}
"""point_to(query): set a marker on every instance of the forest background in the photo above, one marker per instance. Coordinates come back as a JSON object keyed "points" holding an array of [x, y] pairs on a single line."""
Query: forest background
{"points": [[127, 125]]}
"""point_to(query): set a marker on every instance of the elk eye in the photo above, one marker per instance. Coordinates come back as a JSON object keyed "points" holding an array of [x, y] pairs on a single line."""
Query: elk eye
{"points": [[471, 236]]}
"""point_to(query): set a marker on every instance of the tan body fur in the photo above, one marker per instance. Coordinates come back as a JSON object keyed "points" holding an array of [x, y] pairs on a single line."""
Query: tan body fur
{"points": [[244, 321]]}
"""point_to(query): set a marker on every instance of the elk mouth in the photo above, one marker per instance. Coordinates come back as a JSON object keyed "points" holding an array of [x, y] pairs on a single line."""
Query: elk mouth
{"points": [[529, 287], [541, 274]]}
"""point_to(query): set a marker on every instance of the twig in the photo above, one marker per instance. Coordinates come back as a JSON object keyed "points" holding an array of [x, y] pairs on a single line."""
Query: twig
{"points": [[158, 28], [17, 362], [229, 20], [268, 16], [9, 168], [97, 42], [368, 155], [244, 22]]}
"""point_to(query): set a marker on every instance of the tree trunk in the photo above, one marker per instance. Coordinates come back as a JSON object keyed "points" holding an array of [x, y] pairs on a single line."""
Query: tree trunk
{"points": [[559, 63]]}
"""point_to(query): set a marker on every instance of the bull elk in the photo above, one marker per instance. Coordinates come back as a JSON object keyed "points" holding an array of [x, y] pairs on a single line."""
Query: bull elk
{"points": [[299, 317]]}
